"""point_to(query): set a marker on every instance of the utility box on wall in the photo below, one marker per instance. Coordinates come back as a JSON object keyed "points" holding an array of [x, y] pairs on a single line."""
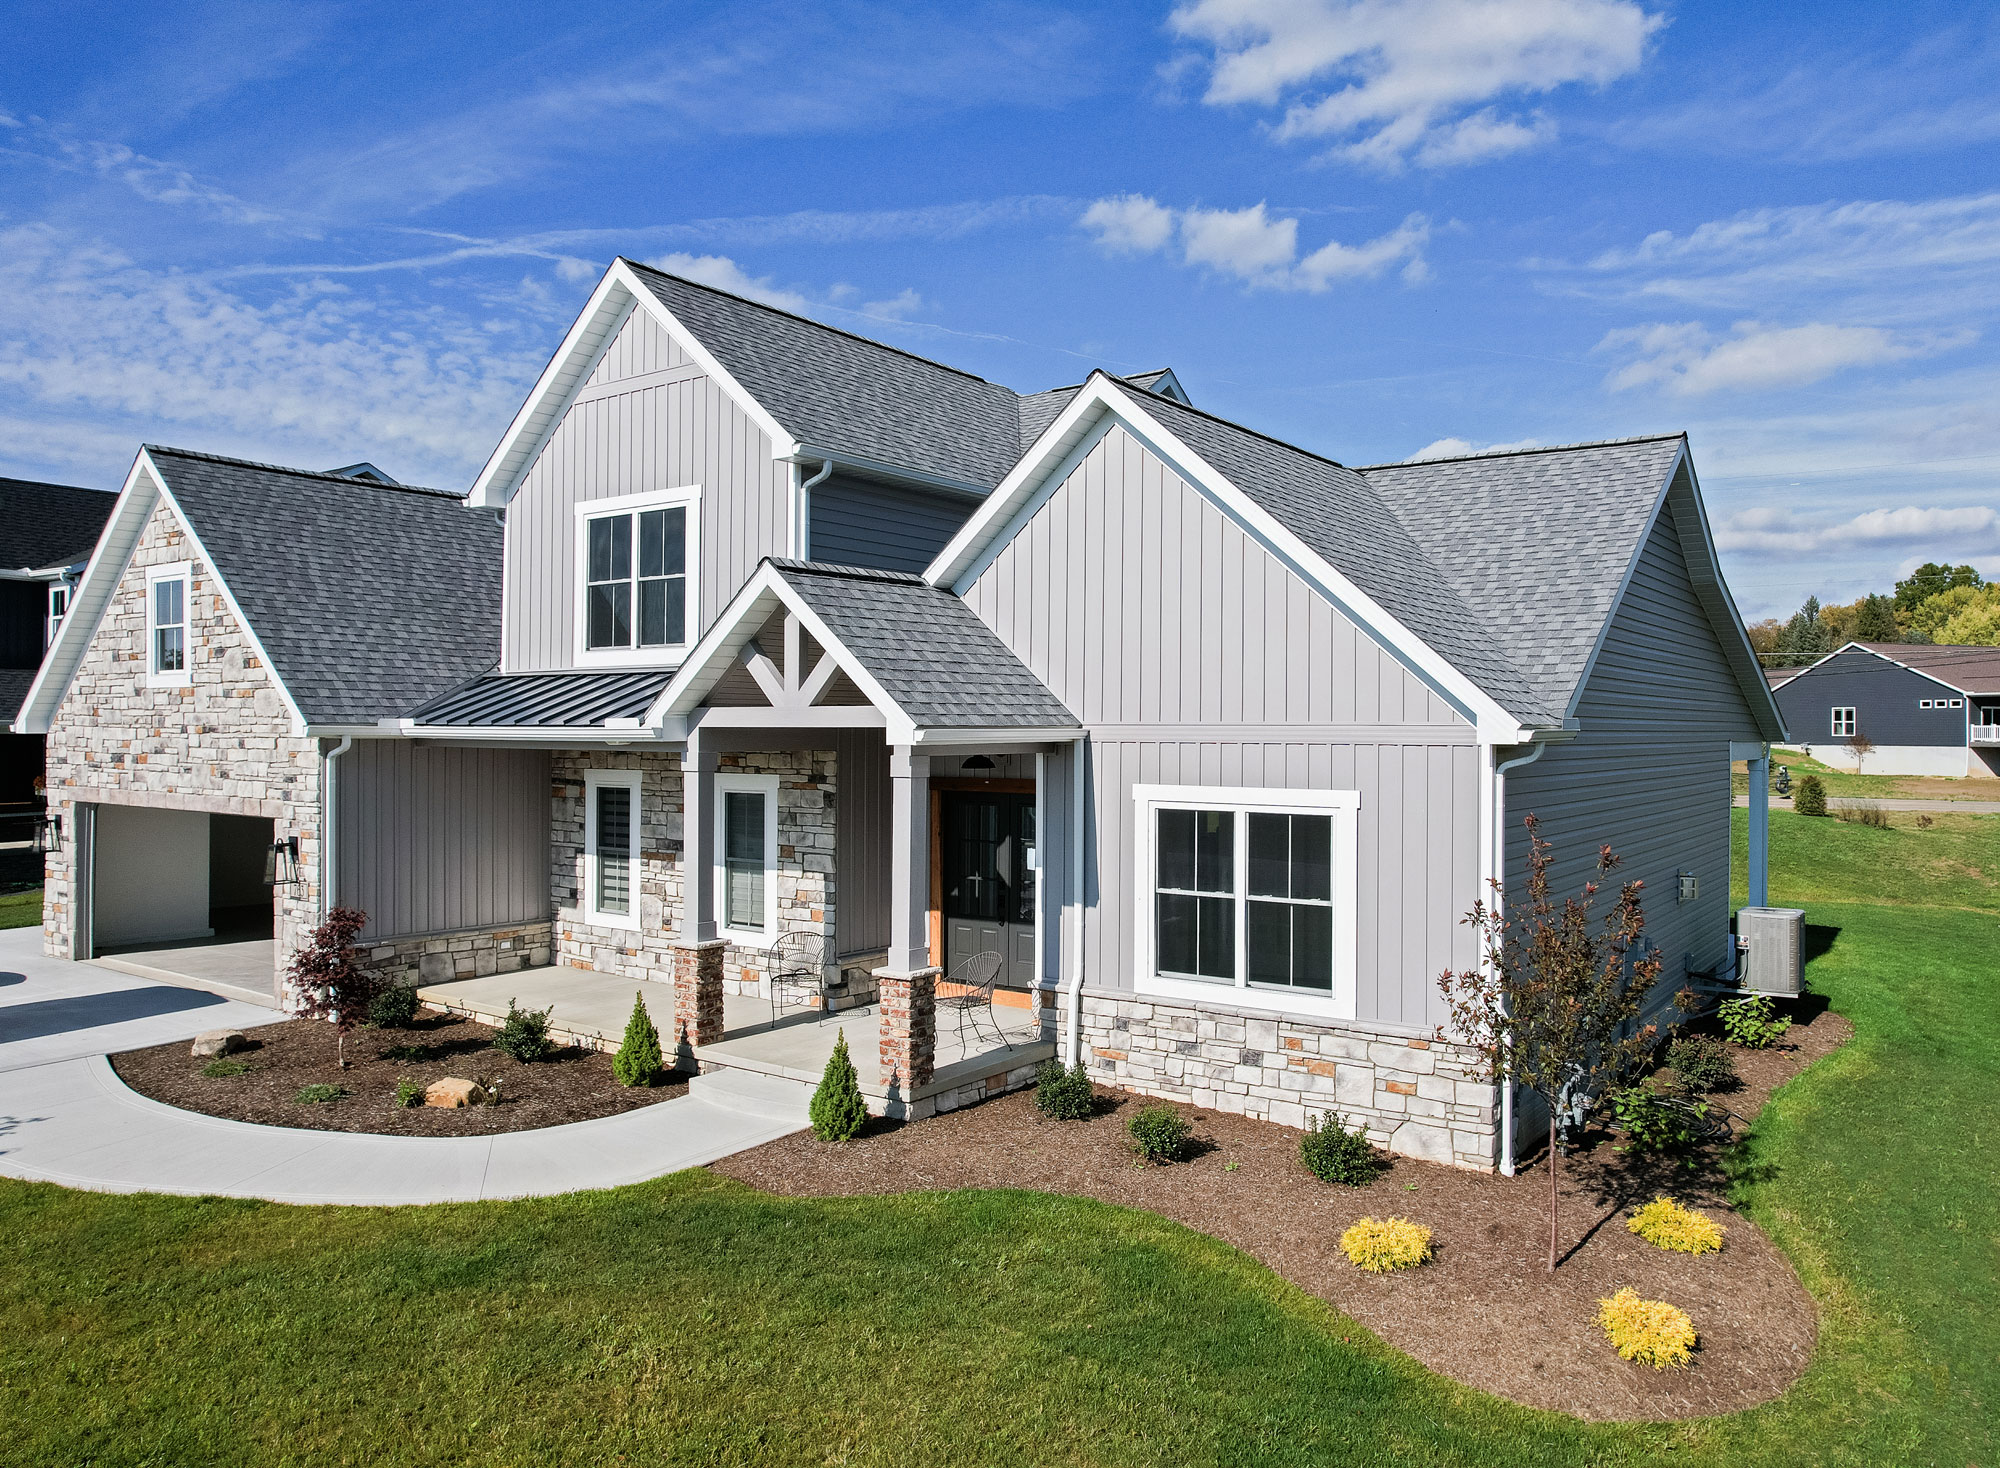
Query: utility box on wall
{"points": [[1775, 940]]}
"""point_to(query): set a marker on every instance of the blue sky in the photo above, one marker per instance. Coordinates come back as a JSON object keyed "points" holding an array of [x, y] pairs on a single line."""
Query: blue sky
{"points": [[314, 234]]}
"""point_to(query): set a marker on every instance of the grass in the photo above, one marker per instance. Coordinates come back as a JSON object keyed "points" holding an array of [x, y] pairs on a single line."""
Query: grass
{"points": [[691, 1320], [21, 909], [1815, 859], [1846, 785]]}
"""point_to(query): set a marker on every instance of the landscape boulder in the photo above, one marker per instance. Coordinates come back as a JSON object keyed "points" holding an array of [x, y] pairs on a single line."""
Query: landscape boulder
{"points": [[218, 1042], [453, 1091]]}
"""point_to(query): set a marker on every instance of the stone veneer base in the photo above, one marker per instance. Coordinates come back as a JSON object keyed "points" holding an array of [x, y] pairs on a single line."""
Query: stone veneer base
{"points": [[1414, 1096], [440, 958]]}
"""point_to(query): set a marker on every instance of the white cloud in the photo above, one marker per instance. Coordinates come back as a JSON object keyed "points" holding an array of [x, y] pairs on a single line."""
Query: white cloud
{"points": [[904, 303], [1767, 531], [1420, 75], [726, 275], [1252, 245], [1687, 360], [1459, 448]]}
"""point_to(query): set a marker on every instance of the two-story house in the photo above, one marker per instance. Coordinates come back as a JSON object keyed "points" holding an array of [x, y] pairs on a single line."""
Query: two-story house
{"points": [[752, 628]]}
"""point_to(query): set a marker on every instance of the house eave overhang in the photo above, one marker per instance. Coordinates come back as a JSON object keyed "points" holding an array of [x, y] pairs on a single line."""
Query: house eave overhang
{"points": [[807, 453]]}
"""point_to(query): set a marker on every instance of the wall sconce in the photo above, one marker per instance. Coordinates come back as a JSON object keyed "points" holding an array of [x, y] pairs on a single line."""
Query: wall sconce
{"points": [[1690, 886], [48, 834], [281, 863]]}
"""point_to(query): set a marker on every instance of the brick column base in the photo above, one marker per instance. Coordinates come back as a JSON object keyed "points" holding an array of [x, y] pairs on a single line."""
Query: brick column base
{"points": [[907, 1003], [697, 997]]}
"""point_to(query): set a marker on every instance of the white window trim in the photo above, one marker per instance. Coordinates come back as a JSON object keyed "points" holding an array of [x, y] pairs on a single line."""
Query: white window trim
{"points": [[65, 591], [593, 781], [1343, 805], [1835, 721], [627, 504], [766, 786], [183, 572]]}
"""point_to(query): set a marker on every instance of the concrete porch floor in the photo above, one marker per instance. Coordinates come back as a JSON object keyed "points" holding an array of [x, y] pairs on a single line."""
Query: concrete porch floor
{"points": [[235, 970], [590, 1008]]}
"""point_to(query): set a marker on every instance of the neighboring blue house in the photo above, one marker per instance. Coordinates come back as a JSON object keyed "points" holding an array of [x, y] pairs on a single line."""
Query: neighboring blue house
{"points": [[759, 650], [1920, 709]]}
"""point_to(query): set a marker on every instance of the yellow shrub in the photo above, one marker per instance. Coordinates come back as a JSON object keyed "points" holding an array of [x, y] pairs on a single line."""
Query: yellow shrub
{"points": [[1647, 1330], [1667, 1225], [1393, 1243]]}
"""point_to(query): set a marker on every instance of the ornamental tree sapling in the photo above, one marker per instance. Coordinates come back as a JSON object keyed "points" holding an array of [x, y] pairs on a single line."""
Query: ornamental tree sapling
{"points": [[326, 982]]}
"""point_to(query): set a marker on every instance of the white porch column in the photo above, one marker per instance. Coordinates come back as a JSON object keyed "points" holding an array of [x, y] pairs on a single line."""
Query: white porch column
{"points": [[910, 866]]}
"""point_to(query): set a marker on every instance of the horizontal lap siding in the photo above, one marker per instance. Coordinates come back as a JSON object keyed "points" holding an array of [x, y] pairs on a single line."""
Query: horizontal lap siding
{"points": [[1649, 773], [657, 437], [856, 522], [1161, 624], [1887, 701], [434, 839]]}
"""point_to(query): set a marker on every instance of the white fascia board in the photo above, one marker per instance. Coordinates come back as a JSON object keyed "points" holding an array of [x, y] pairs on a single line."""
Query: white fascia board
{"points": [[806, 453], [1001, 517], [992, 734], [99, 583]]}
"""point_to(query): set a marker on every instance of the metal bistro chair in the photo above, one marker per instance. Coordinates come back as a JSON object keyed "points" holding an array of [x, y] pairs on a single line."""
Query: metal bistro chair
{"points": [[797, 974], [974, 980]]}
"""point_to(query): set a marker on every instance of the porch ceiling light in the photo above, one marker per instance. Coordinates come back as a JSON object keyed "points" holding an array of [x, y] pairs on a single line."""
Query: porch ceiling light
{"points": [[978, 762]]}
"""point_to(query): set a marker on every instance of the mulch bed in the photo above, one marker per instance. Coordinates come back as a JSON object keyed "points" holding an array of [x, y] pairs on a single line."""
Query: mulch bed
{"points": [[1485, 1312], [569, 1084]]}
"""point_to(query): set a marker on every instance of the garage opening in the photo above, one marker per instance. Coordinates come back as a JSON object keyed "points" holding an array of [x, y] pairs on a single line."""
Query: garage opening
{"points": [[182, 895]]}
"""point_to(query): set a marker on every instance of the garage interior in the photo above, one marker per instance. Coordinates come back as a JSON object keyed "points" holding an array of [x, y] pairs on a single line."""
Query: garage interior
{"points": [[184, 896]]}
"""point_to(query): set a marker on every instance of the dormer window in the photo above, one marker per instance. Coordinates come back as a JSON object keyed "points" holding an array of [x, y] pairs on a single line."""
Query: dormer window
{"points": [[636, 564], [167, 626], [59, 594]]}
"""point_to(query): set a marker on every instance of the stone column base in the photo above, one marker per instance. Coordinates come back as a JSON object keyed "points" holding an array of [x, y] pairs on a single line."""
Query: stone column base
{"points": [[907, 1050], [697, 998]]}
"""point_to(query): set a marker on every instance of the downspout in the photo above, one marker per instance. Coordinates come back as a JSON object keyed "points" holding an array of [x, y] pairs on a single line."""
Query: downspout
{"points": [[1073, 1042], [329, 853], [1498, 857], [802, 511]]}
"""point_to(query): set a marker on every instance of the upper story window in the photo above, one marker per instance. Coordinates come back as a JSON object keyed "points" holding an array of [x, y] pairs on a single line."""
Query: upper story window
{"points": [[1843, 723], [59, 595], [167, 601], [636, 567]]}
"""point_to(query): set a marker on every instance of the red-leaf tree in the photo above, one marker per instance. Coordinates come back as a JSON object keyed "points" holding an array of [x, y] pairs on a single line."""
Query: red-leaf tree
{"points": [[1556, 1006], [326, 982]]}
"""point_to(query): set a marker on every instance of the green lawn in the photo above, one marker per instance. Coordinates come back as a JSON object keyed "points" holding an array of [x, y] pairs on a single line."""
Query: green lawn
{"points": [[694, 1321], [1814, 859], [1876, 787], [21, 909]]}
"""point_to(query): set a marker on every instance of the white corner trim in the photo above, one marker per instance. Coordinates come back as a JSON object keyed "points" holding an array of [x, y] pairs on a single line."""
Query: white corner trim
{"points": [[593, 781], [766, 786], [183, 572], [686, 496], [1343, 805]]}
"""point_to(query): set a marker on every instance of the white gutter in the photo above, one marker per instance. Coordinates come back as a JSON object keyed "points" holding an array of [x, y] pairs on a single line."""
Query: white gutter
{"points": [[1497, 858], [1073, 1048], [329, 870]]}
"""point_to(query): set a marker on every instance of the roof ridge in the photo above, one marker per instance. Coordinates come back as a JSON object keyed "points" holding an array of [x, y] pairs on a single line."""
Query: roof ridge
{"points": [[809, 321], [1232, 423], [850, 573], [1553, 448], [159, 448]]}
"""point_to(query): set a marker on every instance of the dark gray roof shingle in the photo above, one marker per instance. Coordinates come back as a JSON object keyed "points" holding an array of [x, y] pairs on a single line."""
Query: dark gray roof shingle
{"points": [[14, 685], [500, 700], [1968, 669], [43, 525], [927, 648], [369, 598]]}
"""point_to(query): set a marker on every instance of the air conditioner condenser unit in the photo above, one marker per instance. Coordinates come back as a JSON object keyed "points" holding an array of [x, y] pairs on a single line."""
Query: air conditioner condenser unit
{"points": [[1775, 942]]}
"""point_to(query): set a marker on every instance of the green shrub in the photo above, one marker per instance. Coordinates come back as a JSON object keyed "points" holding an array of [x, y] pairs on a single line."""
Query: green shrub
{"points": [[223, 1067], [638, 1061], [1333, 1154], [1702, 1062], [838, 1112], [393, 1008], [1810, 797], [1159, 1134], [408, 1092], [525, 1035], [1752, 1022], [1064, 1095], [1863, 815], [1658, 1124], [319, 1095]]}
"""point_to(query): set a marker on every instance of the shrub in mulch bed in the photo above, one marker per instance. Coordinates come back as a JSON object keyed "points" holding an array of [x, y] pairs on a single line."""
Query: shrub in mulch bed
{"points": [[1380, 1245], [838, 1111], [1648, 1331], [1064, 1095], [1159, 1134], [1333, 1154], [1665, 1224]]}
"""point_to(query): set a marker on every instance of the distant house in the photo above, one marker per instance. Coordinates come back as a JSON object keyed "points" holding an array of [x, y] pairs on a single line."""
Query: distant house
{"points": [[1919, 710], [46, 535]]}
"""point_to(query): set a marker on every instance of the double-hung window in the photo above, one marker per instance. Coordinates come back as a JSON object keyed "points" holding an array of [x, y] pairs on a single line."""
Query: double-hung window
{"points": [[1247, 890], [1843, 723], [167, 643], [746, 858], [611, 847], [636, 577], [59, 595]]}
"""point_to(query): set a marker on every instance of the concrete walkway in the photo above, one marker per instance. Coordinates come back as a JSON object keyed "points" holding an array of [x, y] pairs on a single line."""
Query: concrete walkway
{"points": [[1854, 802], [65, 1117]]}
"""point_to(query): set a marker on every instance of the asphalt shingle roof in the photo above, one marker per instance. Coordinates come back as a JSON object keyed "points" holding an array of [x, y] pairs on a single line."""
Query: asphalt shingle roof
{"points": [[501, 699], [1536, 543], [1968, 669], [43, 525], [14, 685], [369, 598], [927, 648]]}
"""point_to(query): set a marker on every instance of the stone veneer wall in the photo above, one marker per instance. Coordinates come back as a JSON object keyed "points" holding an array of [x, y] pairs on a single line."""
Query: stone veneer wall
{"points": [[224, 744], [471, 954], [806, 799], [1414, 1095]]}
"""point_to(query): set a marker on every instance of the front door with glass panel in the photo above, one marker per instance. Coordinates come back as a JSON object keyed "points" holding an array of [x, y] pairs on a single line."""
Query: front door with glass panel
{"points": [[988, 882]]}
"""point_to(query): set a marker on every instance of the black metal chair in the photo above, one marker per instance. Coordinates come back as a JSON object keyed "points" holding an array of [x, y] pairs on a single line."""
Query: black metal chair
{"points": [[797, 974], [972, 983]]}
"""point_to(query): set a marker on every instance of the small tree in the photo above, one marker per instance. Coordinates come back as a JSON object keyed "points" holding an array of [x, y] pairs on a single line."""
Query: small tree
{"points": [[326, 983], [1556, 1006], [838, 1112], [638, 1061], [1861, 746]]}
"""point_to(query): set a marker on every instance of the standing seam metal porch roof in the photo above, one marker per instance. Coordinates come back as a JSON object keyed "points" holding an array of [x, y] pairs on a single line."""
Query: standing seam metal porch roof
{"points": [[567, 700]]}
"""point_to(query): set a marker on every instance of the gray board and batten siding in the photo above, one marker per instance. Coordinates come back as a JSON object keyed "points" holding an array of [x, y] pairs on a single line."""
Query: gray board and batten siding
{"points": [[1648, 772], [1193, 656], [646, 419], [864, 522], [1887, 700], [439, 839]]}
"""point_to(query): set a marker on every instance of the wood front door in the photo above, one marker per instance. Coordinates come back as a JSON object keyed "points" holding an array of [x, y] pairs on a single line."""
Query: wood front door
{"points": [[987, 884]]}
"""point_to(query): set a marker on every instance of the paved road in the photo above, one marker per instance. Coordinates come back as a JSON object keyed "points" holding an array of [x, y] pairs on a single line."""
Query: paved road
{"points": [[65, 1116], [1935, 807]]}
